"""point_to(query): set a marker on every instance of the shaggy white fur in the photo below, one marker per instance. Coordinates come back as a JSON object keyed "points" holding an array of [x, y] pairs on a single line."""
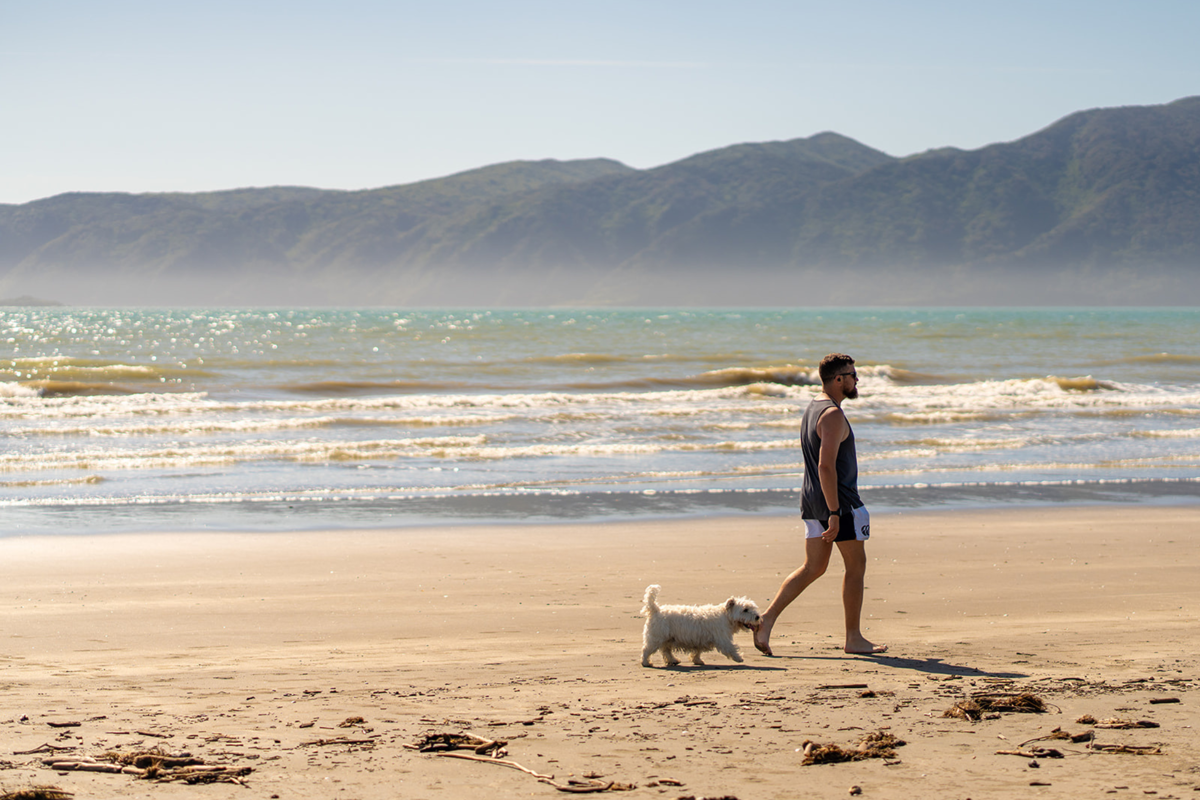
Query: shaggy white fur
{"points": [[695, 629]]}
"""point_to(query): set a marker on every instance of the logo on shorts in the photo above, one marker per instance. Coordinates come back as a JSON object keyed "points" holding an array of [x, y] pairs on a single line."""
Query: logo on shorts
{"points": [[866, 531]]}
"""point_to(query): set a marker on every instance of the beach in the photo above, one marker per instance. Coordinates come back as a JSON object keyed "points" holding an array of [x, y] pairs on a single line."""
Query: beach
{"points": [[309, 663]]}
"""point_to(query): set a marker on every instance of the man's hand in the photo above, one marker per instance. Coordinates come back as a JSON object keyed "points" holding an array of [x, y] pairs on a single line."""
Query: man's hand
{"points": [[831, 533]]}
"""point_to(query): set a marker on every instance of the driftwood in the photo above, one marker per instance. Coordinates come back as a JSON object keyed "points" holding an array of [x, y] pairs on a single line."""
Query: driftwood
{"points": [[1033, 752], [207, 773], [1058, 734], [488, 751], [151, 765], [87, 765], [439, 742], [1137, 750], [502, 762], [591, 786], [749, 701], [338, 740], [879, 744], [43, 748], [1125, 724], [1088, 738], [154, 758]]}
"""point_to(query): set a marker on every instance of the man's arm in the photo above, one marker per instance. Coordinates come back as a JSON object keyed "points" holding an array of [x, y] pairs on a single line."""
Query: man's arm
{"points": [[833, 430]]}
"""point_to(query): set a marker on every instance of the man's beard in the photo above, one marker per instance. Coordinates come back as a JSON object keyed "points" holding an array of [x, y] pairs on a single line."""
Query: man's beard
{"points": [[852, 393]]}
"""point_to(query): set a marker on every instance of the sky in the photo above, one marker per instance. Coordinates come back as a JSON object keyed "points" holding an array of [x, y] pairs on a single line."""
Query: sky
{"points": [[137, 96]]}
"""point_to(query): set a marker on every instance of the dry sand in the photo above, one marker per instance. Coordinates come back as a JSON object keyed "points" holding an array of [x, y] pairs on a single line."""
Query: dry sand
{"points": [[314, 658]]}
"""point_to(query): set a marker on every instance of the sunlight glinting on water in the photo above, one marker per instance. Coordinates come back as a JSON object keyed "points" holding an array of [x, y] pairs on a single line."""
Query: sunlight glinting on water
{"points": [[126, 406]]}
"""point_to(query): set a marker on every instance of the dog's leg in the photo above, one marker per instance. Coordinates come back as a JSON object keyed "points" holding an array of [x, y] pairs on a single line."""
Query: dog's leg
{"points": [[669, 655], [696, 658], [648, 649], [651, 638], [730, 650]]}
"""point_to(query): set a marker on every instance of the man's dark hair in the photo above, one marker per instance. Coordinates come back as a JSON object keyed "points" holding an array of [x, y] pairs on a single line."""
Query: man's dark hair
{"points": [[833, 364]]}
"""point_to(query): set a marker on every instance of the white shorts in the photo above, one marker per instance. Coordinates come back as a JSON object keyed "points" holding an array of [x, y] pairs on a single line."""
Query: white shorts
{"points": [[859, 531]]}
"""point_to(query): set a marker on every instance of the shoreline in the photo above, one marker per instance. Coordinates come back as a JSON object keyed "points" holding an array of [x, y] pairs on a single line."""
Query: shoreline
{"points": [[569, 508], [246, 648]]}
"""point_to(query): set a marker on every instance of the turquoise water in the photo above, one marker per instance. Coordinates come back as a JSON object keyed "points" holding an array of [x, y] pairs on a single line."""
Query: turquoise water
{"points": [[120, 419]]}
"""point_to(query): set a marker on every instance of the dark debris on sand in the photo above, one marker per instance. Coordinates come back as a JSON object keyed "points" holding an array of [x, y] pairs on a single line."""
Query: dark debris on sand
{"points": [[879, 744], [975, 707], [38, 793]]}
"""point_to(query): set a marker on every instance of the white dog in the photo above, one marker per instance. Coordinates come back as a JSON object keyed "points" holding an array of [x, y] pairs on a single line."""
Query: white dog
{"points": [[695, 629]]}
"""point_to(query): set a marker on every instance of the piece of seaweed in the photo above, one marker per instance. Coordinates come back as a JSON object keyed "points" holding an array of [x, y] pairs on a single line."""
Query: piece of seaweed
{"points": [[973, 708], [38, 793], [879, 744]]}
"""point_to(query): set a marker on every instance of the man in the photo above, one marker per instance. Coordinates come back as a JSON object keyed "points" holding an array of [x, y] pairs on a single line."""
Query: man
{"points": [[829, 505]]}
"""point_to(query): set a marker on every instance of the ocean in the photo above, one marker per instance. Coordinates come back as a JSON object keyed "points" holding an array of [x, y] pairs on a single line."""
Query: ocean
{"points": [[127, 419]]}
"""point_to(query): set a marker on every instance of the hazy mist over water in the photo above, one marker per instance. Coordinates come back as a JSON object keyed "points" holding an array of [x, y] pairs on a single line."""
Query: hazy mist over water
{"points": [[120, 419]]}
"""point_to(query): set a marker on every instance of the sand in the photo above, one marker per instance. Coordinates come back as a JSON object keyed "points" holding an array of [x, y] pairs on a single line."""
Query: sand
{"points": [[315, 659]]}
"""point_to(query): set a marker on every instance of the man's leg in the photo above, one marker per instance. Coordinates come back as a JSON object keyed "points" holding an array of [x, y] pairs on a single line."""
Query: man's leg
{"points": [[854, 554], [816, 560]]}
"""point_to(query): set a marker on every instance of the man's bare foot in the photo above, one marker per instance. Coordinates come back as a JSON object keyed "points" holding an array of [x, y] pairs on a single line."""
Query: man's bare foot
{"points": [[861, 647], [762, 639]]}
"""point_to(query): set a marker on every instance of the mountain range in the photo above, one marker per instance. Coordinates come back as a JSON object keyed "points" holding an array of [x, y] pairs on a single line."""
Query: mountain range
{"points": [[1101, 207]]}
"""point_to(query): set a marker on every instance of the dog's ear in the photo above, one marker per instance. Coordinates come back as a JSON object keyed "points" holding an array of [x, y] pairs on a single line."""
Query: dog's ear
{"points": [[730, 603]]}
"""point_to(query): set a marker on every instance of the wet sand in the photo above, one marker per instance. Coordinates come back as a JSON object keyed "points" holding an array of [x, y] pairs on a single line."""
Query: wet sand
{"points": [[315, 659]]}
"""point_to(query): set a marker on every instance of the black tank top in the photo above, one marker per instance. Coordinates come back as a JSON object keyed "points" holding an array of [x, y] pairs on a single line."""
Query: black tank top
{"points": [[812, 499]]}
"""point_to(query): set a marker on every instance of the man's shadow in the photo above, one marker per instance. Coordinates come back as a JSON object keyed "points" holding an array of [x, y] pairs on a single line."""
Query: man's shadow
{"points": [[930, 666], [935, 666], [719, 667]]}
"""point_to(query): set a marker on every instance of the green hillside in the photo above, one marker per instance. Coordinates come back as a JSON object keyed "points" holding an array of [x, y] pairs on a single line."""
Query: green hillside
{"points": [[1115, 186], [611, 220], [284, 226], [1107, 197]]}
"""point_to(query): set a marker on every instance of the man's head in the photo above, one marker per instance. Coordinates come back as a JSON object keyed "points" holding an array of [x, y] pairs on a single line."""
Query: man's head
{"points": [[837, 371]]}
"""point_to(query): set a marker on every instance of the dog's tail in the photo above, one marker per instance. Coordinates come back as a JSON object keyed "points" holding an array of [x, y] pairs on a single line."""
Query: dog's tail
{"points": [[650, 601]]}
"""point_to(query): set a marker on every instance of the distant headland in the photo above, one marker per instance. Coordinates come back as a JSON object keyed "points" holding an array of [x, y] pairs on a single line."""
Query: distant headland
{"points": [[26, 300]]}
